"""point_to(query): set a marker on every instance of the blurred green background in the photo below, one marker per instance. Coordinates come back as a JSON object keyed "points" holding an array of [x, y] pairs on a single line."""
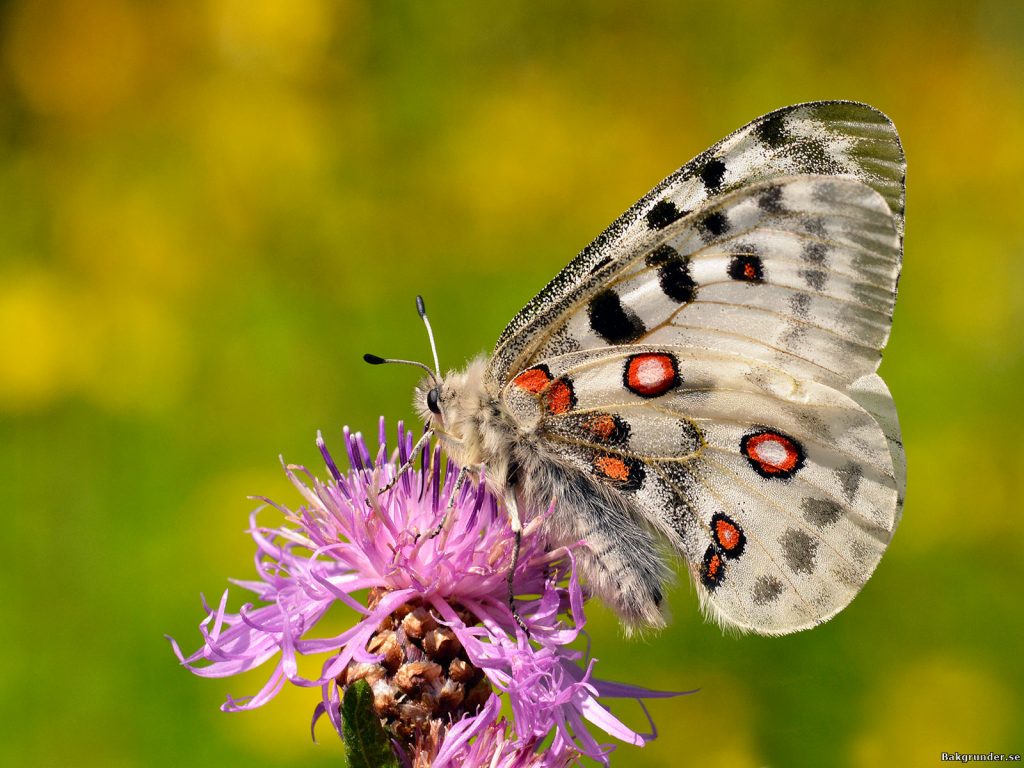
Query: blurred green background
{"points": [[210, 209]]}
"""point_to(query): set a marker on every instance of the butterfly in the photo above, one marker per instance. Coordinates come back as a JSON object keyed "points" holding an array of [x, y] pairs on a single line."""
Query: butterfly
{"points": [[700, 380]]}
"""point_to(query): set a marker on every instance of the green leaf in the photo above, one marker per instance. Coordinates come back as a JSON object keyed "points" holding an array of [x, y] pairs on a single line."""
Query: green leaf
{"points": [[366, 743]]}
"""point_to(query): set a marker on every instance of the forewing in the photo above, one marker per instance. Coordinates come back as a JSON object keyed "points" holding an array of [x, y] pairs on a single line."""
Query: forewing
{"points": [[798, 272], [812, 240], [781, 493]]}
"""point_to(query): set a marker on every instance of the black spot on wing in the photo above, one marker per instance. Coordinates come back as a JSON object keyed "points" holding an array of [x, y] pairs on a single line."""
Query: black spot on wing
{"points": [[792, 336], [799, 550], [663, 213], [850, 476], [661, 255], [769, 200], [673, 274], [773, 132], [800, 304], [712, 174], [691, 439], [746, 267], [814, 225], [766, 590], [612, 321], [821, 513], [715, 224], [813, 157], [814, 253], [815, 278]]}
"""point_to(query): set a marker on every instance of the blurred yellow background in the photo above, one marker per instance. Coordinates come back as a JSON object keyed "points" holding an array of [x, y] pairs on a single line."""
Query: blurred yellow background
{"points": [[209, 209]]}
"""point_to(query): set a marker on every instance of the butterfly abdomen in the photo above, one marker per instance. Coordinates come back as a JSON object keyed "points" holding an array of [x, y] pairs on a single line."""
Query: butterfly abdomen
{"points": [[621, 559]]}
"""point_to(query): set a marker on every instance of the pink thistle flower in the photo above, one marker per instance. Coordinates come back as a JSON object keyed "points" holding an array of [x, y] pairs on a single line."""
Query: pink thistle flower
{"points": [[437, 640]]}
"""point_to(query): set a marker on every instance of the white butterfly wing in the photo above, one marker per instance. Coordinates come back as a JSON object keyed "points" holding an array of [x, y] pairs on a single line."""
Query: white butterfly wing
{"points": [[780, 492]]}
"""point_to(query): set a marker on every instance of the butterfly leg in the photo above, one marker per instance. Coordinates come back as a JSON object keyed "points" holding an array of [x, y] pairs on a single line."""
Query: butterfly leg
{"points": [[517, 531], [460, 480], [406, 466]]}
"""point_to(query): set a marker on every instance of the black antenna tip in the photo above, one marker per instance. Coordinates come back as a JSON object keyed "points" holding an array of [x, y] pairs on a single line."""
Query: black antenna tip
{"points": [[373, 359], [420, 306]]}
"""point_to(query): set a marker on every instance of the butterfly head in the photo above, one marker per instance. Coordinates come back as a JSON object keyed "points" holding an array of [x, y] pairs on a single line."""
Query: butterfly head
{"points": [[431, 392]]}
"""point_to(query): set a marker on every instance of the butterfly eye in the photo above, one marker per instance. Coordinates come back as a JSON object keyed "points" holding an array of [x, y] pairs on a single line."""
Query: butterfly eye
{"points": [[433, 400]]}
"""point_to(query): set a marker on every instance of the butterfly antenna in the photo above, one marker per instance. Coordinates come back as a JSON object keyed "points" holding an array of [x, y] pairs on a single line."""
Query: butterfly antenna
{"points": [[375, 360], [430, 331]]}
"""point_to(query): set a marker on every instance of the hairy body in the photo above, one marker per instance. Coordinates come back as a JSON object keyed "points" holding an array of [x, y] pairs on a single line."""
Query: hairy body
{"points": [[620, 554]]}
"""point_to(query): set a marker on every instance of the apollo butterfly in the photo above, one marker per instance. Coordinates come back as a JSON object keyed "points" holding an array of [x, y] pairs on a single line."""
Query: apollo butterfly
{"points": [[702, 375]]}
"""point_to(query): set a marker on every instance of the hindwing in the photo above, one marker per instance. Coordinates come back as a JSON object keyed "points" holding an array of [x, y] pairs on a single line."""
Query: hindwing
{"points": [[780, 493]]}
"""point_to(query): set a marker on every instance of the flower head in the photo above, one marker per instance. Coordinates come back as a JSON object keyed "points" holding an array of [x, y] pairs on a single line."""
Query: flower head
{"points": [[437, 639]]}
